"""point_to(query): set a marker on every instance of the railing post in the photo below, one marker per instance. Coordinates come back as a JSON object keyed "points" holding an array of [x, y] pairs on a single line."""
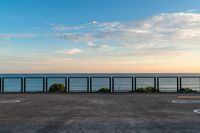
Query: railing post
{"points": [[68, 84], [158, 88], [180, 84], [113, 84], [199, 82], [22, 88], [46, 84], [110, 83], [44, 78], [0, 85], [24, 84], [91, 84], [88, 84], [132, 84], [3, 84], [155, 82], [135, 84], [66, 87], [177, 84]]}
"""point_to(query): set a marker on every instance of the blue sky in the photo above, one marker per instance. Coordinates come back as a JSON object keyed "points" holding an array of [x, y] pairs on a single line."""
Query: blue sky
{"points": [[129, 35], [37, 12]]}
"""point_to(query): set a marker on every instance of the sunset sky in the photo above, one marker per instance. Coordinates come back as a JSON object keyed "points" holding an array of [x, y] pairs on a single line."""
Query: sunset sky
{"points": [[59, 36]]}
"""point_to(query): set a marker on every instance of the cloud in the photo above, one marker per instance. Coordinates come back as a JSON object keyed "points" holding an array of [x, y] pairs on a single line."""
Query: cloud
{"points": [[184, 24], [163, 33], [87, 27], [191, 10], [61, 27], [74, 36], [14, 36], [95, 46], [73, 51]]}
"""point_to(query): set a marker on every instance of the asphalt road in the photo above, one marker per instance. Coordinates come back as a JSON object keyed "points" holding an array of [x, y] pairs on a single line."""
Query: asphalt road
{"points": [[97, 113]]}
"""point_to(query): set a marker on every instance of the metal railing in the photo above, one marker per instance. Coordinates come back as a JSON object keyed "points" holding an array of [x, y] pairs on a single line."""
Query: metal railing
{"points": [[176, 83]]}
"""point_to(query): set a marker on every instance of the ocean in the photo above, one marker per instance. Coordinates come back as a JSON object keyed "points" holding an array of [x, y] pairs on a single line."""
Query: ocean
{"points": [[80, 82]]}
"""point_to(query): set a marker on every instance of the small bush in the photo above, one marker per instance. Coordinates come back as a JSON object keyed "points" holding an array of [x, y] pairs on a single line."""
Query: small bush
{"points": [[188, 90], [57, 88], [147, 90], [104, 90]]}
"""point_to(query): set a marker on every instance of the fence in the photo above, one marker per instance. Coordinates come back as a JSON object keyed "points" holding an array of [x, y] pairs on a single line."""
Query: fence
{"points": [[93, 84]]}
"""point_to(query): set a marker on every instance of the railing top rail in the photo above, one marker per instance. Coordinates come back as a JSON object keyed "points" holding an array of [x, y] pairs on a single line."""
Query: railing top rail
{"points": [[78, 77], [56, 77], [101, 77], [122, 77], [190, 77], [34, 77], [11, 77], [168, 77], [144, 77], [105, 77]]}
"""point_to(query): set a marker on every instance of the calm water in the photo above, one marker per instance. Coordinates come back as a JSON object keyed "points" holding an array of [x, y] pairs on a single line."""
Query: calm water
{"points": [[80, 84]]}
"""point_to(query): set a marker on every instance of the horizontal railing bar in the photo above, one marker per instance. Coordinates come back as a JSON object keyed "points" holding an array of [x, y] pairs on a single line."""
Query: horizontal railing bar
{"points": [[77, 77], [189, 77], [100, 77], [168, 77], [144, 77], [55, 77], [34, 77], [122, 77], [12, 77]]}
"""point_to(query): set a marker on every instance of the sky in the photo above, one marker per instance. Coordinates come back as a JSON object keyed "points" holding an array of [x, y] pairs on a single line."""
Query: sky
{"points": [[109, 36]]}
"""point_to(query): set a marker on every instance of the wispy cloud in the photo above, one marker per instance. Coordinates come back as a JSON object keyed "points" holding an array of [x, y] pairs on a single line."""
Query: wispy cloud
{"points": [[19, 35], [88, 27], [191, 10], [73, 51], [95, 46], [80, 37], [175, 30], [61, 27]]}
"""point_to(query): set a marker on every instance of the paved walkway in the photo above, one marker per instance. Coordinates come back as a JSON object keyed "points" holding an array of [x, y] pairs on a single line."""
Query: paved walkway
{"points": [[97, 113]]}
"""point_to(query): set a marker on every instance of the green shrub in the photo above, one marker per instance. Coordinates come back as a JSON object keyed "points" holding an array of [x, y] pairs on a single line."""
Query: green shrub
{"points": [[104, 90], [57, 88], [188, 90], [147, 90]]}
